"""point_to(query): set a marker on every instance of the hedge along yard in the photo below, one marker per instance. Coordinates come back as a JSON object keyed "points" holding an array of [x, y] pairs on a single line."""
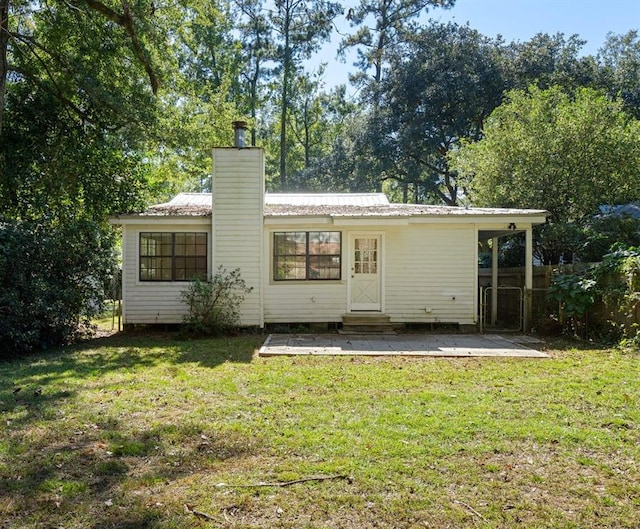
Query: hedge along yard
{"points": [[148, 431]]}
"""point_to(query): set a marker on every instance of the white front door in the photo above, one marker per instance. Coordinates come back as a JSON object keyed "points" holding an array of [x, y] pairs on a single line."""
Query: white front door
{"points": [[365, 284]]}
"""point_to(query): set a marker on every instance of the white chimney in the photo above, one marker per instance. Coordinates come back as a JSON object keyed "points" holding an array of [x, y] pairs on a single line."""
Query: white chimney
{"points": [[237, 220]]}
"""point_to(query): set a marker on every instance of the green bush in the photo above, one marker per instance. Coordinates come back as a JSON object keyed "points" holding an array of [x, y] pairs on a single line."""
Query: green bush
{"points": [[575, 295], [51, 279], [601, 233], [214, 306], [615, 283], [618, 278]]}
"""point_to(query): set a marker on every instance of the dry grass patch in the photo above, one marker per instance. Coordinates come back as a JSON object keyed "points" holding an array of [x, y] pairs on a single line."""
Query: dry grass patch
{"points": [[147, 431]]}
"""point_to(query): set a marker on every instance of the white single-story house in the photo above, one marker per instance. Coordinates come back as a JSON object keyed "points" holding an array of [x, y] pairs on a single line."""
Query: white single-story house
{"points": [[310, 258]]}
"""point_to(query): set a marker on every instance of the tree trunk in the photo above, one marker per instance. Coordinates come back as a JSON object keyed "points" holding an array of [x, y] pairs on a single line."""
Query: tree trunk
{"points": [[286, 74], [4, 42]]}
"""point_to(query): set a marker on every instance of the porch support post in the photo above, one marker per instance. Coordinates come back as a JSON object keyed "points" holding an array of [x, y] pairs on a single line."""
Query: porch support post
{"points": [[494, 281], [528, 279]]}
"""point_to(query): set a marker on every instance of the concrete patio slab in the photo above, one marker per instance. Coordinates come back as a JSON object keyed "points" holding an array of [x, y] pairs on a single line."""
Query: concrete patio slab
{"points": [[442, 345]]}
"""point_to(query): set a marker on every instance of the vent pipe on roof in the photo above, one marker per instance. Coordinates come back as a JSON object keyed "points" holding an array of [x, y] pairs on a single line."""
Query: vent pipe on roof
{"points": [[239, 128]]}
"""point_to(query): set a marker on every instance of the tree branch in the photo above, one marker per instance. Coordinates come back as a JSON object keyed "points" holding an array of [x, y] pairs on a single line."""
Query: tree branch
{"points": [[287, 483], [33, 46], [125, 21], [107, 12]]}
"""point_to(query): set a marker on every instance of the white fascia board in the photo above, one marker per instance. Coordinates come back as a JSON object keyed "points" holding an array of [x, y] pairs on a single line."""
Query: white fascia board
{"points": [[371, 221], [289, 221], [337, 221], [492, 221], [164, 221]]}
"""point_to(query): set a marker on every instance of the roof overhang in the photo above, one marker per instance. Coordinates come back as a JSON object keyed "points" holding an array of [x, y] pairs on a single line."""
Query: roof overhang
{"points": [[501, 223], [290, 220], [122, 220]]}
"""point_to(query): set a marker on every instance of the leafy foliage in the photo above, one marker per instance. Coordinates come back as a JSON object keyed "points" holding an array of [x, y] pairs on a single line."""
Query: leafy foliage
{"points": [[575, 294], [600, 233], [54, 165], [549, 60], [393, 21], [442, 84], [614, 284], [619, 69], [549, 149], [618, 278], [51, 279], [214, 306]]}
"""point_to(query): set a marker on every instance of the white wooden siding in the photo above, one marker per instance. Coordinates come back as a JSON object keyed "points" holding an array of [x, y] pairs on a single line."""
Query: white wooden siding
{"points": [[431, 273], [238, 188], [149, 302], [302, 301]]}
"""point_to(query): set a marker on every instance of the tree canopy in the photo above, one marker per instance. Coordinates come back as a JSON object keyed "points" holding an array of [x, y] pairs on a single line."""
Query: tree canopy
{"points": [[442, 84], [566, 153]]}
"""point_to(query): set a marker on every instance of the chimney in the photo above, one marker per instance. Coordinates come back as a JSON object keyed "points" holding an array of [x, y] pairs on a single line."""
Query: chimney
{"points": [[237, 219], [239, 128]]}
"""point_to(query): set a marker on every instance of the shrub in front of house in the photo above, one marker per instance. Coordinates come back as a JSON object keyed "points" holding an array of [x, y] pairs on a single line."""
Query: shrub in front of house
{"points": [[214, 305]]}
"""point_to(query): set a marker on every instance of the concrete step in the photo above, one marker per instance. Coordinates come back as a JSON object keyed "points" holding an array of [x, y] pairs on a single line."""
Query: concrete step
{"points": [[365, 318], [363, 323]]}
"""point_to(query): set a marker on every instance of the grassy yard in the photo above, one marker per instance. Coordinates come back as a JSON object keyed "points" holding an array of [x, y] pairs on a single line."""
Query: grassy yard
{"points": [[147, 431]]}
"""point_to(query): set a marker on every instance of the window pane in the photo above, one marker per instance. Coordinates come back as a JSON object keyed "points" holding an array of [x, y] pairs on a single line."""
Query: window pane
{"points": [[201, 245], [150, 243], [166, 244], [146, 272], [307, 255], [181, 244], [324, 242], [324, 267], [200, 268], [290, 267], [290, 243]]}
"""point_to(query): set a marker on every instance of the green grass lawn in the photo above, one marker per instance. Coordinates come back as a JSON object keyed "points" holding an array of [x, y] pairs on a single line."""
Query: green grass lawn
{"points": [[147, 431]]}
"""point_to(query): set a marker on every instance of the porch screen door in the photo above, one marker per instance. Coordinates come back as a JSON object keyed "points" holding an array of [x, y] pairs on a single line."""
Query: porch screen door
{"points": [[365, 273]]}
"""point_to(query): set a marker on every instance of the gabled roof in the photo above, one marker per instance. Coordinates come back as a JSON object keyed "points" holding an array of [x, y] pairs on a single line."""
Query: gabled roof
{"points": [[369, 205]]}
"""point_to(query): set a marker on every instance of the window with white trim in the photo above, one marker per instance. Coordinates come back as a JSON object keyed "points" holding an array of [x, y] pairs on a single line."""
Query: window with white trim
{"points": [[173, 256]]}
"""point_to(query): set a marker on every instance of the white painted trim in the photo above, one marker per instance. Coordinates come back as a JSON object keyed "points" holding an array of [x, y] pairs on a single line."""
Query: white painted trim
{"points": [[351, 235], [489, 221], [296, 221], [476, 290], [152, 220], [495, 245], [371, 221], [528, 278]]}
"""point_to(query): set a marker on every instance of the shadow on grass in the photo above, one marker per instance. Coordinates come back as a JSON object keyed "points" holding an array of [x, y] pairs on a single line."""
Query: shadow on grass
{"points": [[109, 474], [96, 469], [22, 380]]}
